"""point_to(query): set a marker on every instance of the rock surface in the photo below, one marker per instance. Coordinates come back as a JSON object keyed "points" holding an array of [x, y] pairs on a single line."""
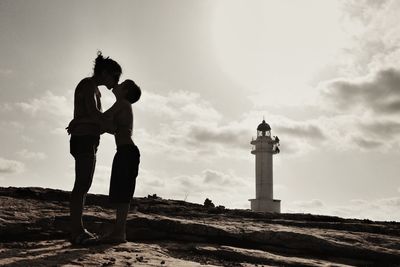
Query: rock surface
{"points": [[34, 229]]}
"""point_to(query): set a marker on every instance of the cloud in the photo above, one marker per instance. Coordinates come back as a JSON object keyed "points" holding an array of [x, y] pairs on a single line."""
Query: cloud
{"points": [[224, 188], [378, 93], [48, 105], [211, 181], [382, 130], [6, 107], [364, 99], [219, 178], [390, 202], [44, 113], [365, 109], [150, 179], [364, 10], [178, 105], [10, 166], [188, 139], [228, 135], [184, 125], [367, 133], [309, 204], [16, 126], [376, 209], [101, 179], [204, 134], [375, 33], [363, 132], [302, 130], [27, 139], [24, 153], [367, 143], [299, 137], [6, 72]]}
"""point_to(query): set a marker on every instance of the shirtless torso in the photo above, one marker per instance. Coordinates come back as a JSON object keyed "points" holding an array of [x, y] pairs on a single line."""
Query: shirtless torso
{"points": [[87, 109], [122, 115], [123, 121]]}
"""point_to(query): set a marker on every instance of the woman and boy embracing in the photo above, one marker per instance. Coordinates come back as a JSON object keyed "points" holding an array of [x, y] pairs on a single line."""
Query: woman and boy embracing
{"points": [[88, 124]]}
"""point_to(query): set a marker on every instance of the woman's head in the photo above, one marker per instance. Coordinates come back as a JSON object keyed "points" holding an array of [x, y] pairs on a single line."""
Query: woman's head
{"points": [[129, 90], [106, 70]]}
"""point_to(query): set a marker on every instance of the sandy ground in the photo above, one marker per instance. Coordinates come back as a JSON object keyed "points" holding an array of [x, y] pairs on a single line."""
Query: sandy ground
{"points": [[34, 226], [61, 253]]}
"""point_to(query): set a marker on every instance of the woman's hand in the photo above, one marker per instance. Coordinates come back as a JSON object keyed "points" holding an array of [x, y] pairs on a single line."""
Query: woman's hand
{"points": [[108, 126]]}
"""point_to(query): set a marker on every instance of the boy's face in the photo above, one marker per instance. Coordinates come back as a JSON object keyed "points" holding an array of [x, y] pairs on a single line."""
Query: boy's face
{"points": [[120, 90]]}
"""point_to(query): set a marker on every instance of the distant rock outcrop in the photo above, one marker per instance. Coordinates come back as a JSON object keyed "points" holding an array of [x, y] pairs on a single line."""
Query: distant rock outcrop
{"points": [[34, 226]]}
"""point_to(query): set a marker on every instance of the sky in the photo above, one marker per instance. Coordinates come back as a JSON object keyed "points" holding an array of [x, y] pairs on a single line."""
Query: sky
{"points": [[323, 74]]}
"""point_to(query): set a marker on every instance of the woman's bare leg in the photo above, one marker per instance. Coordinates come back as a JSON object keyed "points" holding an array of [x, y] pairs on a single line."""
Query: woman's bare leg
{"points": [[84, 170]]}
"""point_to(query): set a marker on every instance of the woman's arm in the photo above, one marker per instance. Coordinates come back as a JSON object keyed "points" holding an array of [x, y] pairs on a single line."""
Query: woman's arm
{"points": [[108, 124], [114, 109]]}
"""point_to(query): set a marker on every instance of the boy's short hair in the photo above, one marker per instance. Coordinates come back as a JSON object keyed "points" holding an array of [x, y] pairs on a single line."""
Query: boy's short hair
{"points": [[134, 91]]}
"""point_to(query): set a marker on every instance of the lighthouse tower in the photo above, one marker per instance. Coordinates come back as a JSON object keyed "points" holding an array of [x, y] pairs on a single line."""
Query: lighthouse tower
{"points": [[263, 148]]}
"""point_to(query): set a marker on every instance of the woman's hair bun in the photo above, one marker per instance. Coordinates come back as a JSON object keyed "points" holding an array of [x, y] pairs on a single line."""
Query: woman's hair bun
{"points": [[99, 57], [101, 63]]}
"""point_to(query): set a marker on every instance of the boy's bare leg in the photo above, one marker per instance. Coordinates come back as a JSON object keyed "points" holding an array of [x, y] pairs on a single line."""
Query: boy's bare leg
{"points": [[119, 232], [84, 170]]}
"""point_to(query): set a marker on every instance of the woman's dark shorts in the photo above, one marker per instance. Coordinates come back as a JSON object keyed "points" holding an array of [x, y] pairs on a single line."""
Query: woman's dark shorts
{"points": [[84, 145], [124, 171]]}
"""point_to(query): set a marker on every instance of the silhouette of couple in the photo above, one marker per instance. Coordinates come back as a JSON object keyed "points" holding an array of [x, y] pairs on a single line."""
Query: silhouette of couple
{"points": [[88, 124]]}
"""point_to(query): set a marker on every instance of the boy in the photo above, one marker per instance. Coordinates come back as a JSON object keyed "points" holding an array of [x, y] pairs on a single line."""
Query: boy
{"points": [[126, 160]]}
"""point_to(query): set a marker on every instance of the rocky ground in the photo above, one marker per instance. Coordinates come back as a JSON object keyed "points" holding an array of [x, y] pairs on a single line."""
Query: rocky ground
{"points": [[34, 228]]}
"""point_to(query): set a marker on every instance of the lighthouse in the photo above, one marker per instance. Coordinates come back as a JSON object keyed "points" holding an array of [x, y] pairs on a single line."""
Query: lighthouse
{"points": [[264, 147]]}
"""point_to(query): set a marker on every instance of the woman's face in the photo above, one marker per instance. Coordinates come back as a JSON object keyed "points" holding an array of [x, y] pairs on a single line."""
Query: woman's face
{"points": [[111, 79]]}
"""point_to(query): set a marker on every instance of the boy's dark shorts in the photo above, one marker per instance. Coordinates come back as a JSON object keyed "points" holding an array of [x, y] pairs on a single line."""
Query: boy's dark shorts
{"points": [[84, 145], [124, 171]]}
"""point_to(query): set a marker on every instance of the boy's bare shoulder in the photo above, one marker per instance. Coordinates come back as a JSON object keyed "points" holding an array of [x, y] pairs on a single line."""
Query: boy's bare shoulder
{"points": [[124, 106]]}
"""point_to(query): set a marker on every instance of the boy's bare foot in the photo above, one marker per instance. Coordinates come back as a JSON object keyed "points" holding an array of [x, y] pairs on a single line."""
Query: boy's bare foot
{"points": [[82, 238], [112, 239]]}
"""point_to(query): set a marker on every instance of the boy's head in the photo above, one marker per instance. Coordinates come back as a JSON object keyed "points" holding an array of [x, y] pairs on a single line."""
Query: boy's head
{"points": [[133, 91]]}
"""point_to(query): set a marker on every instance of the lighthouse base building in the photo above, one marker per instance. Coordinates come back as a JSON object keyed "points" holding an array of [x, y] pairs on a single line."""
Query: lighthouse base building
{"points": [[264, 147], [265, 205]]}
